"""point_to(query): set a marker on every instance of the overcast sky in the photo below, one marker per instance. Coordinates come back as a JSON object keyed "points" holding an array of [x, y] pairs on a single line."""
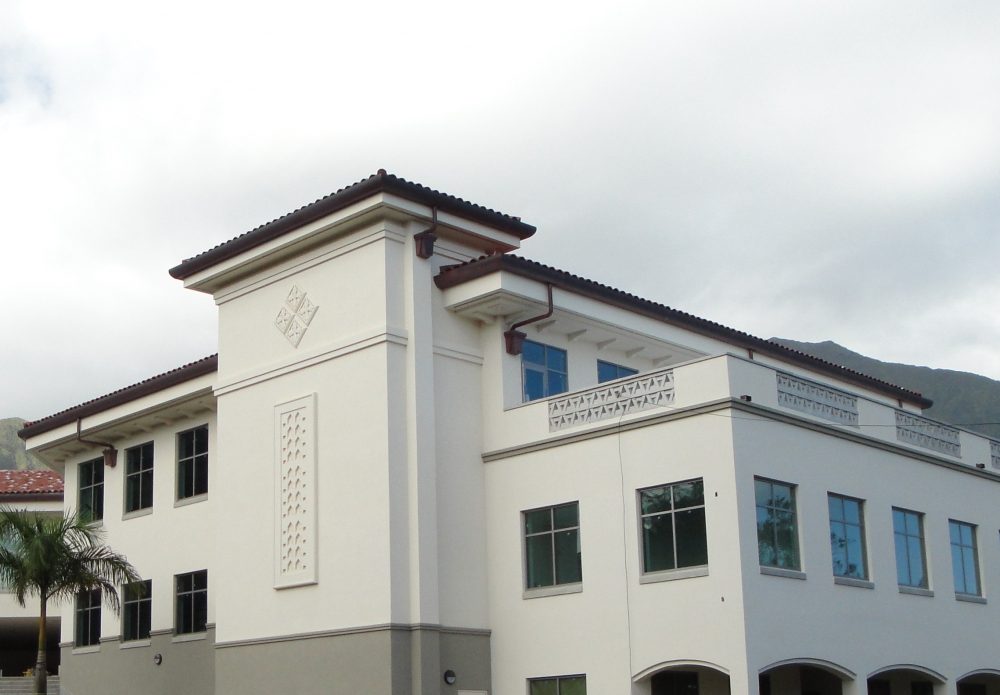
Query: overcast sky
{"points": [[822, 170]]}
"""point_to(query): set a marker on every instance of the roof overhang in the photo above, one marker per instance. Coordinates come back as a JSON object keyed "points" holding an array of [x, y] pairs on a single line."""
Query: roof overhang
{"points": [[347, 209], [475, 274]]}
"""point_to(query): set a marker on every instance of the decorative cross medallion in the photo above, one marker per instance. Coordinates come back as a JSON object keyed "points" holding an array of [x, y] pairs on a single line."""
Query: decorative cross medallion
{"points": [[295, 316]]}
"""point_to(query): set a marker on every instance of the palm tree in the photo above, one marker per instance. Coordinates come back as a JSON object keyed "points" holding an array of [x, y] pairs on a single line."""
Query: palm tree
{"points": [[55, 558]]}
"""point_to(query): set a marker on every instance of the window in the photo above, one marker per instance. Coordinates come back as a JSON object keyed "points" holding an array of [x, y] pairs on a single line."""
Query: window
{"points": [[908, 531], [563, 685], [543, 370], [608, 371], [777, 532], [847, 537], [673, 526], [137, 610], [192, 602], [964, 558], [552, 546], [139, 477], [92, 490], [192, 463], [88, 618]]}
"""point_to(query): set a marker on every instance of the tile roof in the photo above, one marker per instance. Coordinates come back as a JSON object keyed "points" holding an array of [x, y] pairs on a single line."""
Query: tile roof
{"points": [[186, 372], [376, 183], [33, 482], [453, 275]]}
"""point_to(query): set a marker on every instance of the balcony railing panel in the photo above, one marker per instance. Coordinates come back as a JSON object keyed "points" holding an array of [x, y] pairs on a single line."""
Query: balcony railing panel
{"points": [[632, 395], [918, 431], [818, 400]]}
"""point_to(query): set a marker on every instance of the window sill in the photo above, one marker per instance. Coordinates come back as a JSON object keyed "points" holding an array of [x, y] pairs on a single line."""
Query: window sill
{"points": [[851, 581], [194, 499], [970, 598], [90, 649], [671, 575], [916, 591], [134, 644], [189, 637], [559, 589], [782, 572], [137, 513]]}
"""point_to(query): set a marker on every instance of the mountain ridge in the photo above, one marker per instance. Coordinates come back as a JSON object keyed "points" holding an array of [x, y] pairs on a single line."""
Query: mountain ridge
{"points": [[12, 453]]}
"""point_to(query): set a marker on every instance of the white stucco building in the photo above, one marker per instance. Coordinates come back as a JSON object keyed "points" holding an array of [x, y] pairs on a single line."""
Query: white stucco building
{"points": [[422, 464]]}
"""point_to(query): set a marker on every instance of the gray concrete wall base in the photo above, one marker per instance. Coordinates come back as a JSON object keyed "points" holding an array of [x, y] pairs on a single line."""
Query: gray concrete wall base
{"points": [[116, 668], [384, 661]]}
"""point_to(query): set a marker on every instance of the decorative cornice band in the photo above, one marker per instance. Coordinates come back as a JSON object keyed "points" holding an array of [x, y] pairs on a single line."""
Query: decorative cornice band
{"points": [[750, 408], [363, 629]]}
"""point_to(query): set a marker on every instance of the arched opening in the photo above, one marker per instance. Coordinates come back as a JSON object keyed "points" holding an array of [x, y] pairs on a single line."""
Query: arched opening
{"points": [[907, 679], [984, 682], [804, 677], [684, 678]]}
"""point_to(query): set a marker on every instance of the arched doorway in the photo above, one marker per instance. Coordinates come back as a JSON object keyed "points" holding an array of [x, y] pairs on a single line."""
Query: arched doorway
{"points": [[685, 678], [804, 677], [906, 679], [982, 682]]}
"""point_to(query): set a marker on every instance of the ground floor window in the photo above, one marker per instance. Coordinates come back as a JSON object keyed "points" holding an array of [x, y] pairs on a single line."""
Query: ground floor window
{"points": [[560, 685], [192, 602], [137, 610], [88, 618]]}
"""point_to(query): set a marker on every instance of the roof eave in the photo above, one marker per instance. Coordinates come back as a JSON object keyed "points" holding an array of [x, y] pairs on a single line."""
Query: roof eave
{"points": [[458, 274], [325, 206], [125, 395]]}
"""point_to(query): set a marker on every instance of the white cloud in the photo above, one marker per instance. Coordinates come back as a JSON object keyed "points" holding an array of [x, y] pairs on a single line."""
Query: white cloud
{"points": [[812, 171]]}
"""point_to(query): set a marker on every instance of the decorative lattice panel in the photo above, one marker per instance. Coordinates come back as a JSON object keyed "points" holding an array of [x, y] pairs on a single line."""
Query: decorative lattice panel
{"points": [[928, 434], [295, 484], [620, 398], [818, 400]]}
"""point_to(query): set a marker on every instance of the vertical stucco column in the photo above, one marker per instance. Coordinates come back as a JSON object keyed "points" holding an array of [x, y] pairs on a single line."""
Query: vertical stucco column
{"points": [[421, 465], [858, 686]]}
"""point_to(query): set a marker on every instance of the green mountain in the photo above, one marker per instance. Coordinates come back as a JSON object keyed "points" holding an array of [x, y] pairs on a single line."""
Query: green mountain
{"points": [[12, 453], [960, 398]]}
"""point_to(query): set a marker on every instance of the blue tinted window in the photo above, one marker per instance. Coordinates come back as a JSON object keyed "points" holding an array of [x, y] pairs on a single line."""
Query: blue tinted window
{"points": [[847, 537], [608, 371], [908, 533], [777, 528], [543, 370], [964, 561]]}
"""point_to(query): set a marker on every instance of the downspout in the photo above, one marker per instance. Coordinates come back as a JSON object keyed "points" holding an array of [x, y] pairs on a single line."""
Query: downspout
{"points": [[514, 338], [110, 452], [425, 239]]}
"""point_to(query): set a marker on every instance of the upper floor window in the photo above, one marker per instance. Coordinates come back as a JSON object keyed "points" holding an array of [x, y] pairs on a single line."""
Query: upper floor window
{"points": [[964, 558], [561, 685], [552, 546], [673, 526], [777, 527], [847, 537], [192, 462], [137, 610], [91, 475], [191, 602], [139, 477], [88, 618], [608, 371], [543, 370], [908, 533]]}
